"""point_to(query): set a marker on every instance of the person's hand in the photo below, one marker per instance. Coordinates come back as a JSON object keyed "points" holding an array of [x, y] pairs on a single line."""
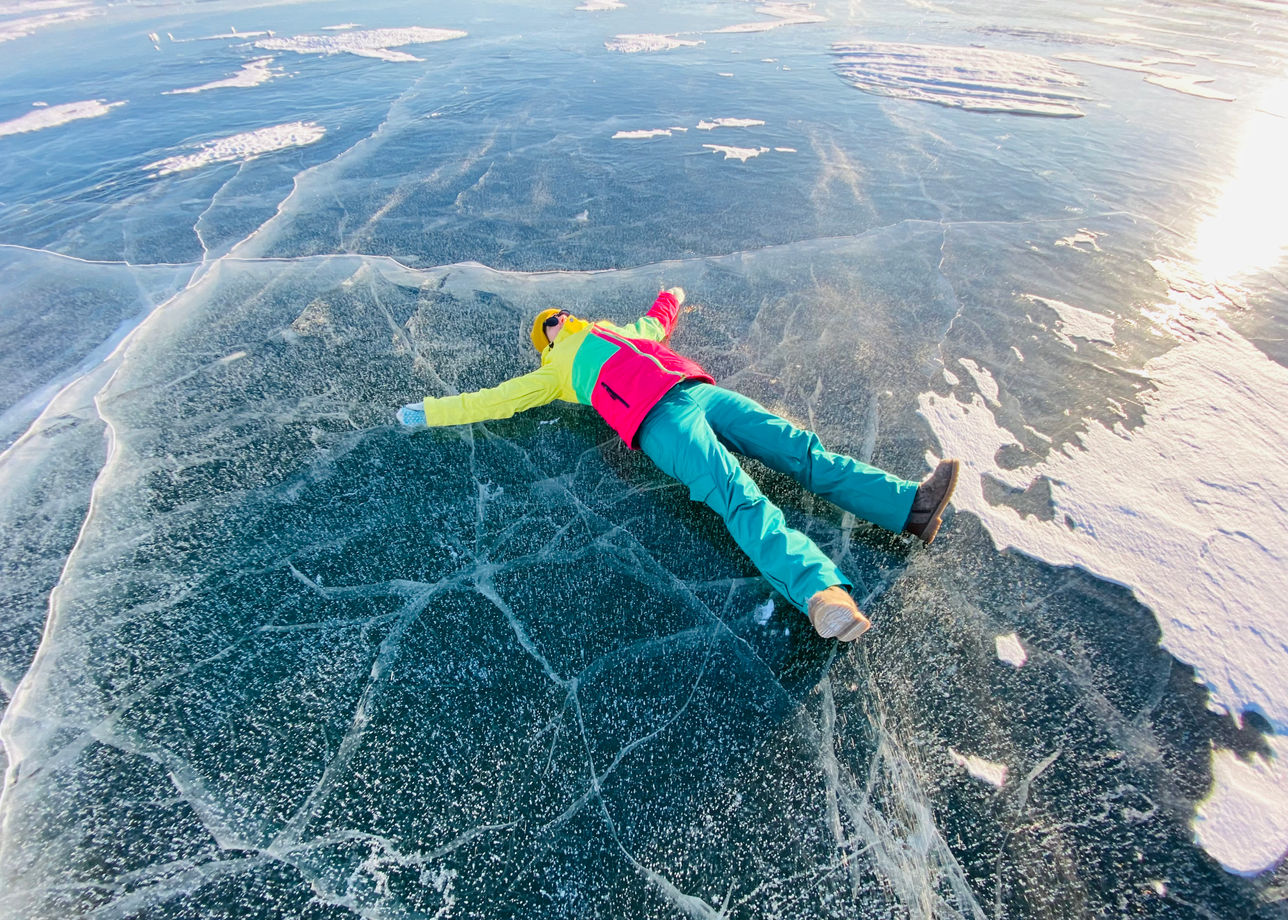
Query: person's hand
{"points": [[412, 415], [677, 293]]}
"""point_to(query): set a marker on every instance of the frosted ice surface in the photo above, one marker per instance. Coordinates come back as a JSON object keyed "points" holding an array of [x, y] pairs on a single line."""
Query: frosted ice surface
{"points": [[377, 43], [252, 73], [984, 770], [595, 6], [636, 43], [1010, 650], [54, 115], [241, 147], [975, 79]]}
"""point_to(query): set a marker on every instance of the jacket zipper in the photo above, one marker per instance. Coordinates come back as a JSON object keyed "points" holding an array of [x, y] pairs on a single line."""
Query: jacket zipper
{"points": [[622, 340], [613, 394]]}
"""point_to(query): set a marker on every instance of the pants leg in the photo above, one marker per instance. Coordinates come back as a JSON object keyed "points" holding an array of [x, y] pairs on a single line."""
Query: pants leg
{"points": [[678, 438], [750, 429]]}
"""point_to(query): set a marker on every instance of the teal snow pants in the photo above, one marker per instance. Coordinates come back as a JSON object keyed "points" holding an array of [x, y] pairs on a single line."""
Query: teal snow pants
{"points": [[689, 435]]}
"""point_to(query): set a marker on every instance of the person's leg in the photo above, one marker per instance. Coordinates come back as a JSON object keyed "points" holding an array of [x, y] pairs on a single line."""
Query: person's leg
{"points": [[751, 429], [677, 437]]}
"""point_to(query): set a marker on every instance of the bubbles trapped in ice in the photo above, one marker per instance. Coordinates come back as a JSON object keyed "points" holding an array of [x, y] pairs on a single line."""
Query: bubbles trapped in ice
{"points": [[975, 79], [241, 147], [763, 612], [375, 43], [54, 115]]}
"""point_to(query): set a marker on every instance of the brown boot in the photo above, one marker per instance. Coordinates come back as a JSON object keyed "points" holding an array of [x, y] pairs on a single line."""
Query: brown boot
{"points": [[930, 501], [836, 616]]}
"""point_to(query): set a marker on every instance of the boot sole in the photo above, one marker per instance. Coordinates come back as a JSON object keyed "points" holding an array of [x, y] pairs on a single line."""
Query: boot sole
{"points": [[932, 528], [842, 626]]}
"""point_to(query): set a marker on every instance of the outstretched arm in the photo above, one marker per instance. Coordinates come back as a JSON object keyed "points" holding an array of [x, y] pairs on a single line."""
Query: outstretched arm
{"points": [[658, 322], [526, 392]]}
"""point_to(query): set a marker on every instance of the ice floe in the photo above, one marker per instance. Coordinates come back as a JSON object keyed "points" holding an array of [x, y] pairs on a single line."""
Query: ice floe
{"points": [[1186, 510], [374, 43], [975, 79], [253, 73], [1010, 650], [53, 115], [241, 147], [984, 770], [637, 43]]}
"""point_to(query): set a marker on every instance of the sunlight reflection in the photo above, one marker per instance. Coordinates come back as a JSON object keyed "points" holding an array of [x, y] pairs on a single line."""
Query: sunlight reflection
{"points": [[1249, 229]]}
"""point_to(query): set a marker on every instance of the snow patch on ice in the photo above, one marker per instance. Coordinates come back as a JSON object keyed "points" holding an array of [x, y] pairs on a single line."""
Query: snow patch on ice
{"points": [[595, 6], [241, 147], [737, 153], [1188, 511], [984, 380], [1191, 84], [1010, 650], [705, 125], [984, 770], [70, 11], [637, 43], [54, 115], [1075, 322], [786, 14], [975, 79], [252, 73], [374, 43], [642, 135], [1243, 822]]}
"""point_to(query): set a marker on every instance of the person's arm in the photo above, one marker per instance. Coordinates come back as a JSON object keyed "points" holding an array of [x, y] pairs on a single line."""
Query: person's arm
{"points": [[658, 322], [515, 395]]}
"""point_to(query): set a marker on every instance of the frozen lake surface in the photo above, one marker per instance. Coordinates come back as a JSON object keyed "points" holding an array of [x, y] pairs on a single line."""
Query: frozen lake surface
{"points": [[264, 654]]}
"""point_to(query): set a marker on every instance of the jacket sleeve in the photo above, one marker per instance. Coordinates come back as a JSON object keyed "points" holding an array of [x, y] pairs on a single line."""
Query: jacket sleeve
{"points": [[526, 392], [658, 322]]}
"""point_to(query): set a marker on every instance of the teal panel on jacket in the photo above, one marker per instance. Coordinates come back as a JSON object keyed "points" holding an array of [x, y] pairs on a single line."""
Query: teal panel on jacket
{"points": [[591, 356]]}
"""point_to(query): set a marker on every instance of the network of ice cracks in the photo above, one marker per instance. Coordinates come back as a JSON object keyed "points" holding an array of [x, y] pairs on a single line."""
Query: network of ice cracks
{"points": [[204, 401], [490, 583]]}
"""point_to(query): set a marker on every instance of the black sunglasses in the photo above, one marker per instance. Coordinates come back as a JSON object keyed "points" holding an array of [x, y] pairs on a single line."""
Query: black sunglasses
{"points": [[554, 319]]}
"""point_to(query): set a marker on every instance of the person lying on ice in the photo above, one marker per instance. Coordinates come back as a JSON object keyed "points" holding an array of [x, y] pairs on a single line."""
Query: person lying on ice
{"points": [[668, 406]]}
